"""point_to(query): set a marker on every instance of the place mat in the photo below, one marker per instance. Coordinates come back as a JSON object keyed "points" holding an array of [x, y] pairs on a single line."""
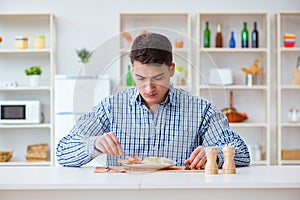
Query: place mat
{"points": [[121, 169]]}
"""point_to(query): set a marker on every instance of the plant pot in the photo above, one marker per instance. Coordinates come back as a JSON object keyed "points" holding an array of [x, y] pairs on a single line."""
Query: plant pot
{"points": [[82, 71], [34, 80]]}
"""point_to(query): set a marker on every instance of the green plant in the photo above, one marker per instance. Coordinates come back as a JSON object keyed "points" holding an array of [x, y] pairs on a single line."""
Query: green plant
{"points": [[33, 70], [84, 55]]}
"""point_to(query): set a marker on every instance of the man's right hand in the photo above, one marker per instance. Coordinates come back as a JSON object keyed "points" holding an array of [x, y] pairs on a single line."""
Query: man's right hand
{"points": [[109, 144]]}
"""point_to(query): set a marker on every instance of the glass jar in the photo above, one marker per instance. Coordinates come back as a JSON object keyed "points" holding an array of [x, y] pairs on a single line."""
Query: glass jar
{"points": [[179, 43], [39, 42], [21, 42]]}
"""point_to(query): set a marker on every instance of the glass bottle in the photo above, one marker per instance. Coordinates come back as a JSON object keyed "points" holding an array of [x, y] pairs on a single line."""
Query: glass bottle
{"points": [[206, 36], [129, 81], [245, 36], [232, 40], [254, 37], [219, 37]]}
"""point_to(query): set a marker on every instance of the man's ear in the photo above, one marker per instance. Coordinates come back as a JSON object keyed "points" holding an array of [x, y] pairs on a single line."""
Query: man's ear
{"points": [[172, 69]]}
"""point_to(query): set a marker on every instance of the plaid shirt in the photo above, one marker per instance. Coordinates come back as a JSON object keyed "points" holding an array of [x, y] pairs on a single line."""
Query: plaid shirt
{"points": [[179, 124]]}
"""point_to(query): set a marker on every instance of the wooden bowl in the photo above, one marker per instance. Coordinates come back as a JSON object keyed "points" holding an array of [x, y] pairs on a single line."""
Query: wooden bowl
{"points": [[5, 156], [236, 117]]}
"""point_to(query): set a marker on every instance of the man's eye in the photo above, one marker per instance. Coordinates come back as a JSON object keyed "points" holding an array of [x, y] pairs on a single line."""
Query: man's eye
{"points": [[158, 78], [140, 79]]}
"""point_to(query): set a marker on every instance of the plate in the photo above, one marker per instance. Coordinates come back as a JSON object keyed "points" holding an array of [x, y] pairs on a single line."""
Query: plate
{"points": [[147, 167]]}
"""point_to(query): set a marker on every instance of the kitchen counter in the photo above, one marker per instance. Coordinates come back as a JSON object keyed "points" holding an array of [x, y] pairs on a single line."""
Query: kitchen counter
{"points": [[268, 182]]}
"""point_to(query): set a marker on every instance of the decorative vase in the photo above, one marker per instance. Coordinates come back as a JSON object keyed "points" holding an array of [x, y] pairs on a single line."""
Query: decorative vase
{"points": [[82, 71], [34, 80]]}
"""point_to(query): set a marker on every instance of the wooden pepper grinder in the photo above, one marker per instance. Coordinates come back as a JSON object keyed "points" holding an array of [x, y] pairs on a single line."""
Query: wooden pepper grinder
{"points": [[211, 166], [228, 166]]}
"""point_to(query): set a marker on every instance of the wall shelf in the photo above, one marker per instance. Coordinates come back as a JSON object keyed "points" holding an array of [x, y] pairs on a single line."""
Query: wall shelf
{"points": [[288, 95], [14, 62], [256, 129]]}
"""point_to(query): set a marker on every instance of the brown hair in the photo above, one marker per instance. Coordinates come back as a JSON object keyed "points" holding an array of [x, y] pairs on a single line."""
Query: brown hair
{"points": [[152, 48]]}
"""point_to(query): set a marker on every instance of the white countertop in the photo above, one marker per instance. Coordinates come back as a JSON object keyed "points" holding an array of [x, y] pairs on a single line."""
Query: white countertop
{"points": [[37, 178]]}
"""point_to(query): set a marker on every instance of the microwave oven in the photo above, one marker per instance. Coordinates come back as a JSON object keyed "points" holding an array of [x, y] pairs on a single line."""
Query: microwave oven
{"points": [[20, 112]]}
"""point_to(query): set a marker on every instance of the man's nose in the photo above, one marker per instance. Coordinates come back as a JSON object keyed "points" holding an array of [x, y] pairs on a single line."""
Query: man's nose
{"points": [[148, 86]]}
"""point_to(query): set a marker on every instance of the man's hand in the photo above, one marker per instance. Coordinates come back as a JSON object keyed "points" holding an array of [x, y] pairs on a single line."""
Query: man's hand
{"points": [[197, 159], [109, 144]]}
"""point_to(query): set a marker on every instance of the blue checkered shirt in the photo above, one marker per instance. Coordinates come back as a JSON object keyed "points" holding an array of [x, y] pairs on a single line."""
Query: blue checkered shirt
{"points": [[179, 124]]}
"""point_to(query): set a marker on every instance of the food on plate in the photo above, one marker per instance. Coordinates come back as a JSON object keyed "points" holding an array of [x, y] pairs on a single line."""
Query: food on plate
{"points": [[157, 161], [130, 160], [148, 160]]}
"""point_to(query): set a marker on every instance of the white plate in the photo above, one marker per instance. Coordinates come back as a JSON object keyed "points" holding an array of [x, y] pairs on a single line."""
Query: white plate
{"points": [[147, 167]]}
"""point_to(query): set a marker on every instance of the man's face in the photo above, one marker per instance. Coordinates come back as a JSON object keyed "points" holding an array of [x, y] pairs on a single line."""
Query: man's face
{"points": [[152, 81]]}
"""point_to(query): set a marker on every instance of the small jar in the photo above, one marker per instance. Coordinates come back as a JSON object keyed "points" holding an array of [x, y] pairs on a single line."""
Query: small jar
{"points": [[179, 43], [21, 42], [39, 42]]}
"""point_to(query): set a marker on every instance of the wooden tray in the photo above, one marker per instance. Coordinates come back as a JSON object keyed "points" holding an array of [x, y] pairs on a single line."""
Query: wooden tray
{"points": [[293, 154], [37, 152], [121, 169]]}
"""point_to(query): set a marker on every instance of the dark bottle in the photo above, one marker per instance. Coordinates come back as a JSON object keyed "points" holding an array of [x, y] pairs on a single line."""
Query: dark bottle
{"points": [[245, 36], [219, 37], [254, 37], [129, 81], [206, 36], [232, 40]]}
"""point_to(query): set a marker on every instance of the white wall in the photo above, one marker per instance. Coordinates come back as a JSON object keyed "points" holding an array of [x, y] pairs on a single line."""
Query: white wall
{"points": [[89, 23], [92, 23]]}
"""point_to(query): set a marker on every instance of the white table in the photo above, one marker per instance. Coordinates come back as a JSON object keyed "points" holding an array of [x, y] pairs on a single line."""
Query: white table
{"points": [[265, 182]]}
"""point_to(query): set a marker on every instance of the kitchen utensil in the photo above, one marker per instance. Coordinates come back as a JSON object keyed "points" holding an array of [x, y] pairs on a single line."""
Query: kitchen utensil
{"points": [[232, 114]]}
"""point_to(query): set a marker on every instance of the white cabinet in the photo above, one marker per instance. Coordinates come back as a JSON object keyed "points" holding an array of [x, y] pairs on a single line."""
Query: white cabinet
{"points": [[288, 94], [13, 62], [74, 96], [253, 100], [175, 26]]}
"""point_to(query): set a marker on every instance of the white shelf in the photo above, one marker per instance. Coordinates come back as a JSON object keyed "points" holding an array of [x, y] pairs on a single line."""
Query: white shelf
{"points": [[24, 126], [25, 163], [284, 49], [234, 50], [287, 95], [24, 51], [289, 87], [255, 132], [233, 87], [290, 162], [259, 162], [25, 88], [290, 124], [19, 136], [248, 125]]}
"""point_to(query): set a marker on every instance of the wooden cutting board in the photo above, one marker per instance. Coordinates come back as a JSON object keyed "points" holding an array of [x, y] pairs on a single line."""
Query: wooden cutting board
{"points": [[121, 169]]}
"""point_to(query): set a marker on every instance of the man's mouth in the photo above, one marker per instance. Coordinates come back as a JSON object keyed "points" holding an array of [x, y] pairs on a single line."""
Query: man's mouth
{"points": [[150, 95]]}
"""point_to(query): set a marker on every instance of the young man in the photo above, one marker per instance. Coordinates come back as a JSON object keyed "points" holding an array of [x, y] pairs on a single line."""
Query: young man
{"points": [[153, 119]]}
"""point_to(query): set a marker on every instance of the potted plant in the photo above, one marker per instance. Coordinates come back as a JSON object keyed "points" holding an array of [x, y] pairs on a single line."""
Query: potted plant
{"points": [[34, 73], [84, 55]]}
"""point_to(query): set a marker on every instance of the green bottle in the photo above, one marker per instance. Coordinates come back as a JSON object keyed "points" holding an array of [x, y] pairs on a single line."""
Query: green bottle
{"points": [[207, 36], [129, 81], [245, 36]]}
